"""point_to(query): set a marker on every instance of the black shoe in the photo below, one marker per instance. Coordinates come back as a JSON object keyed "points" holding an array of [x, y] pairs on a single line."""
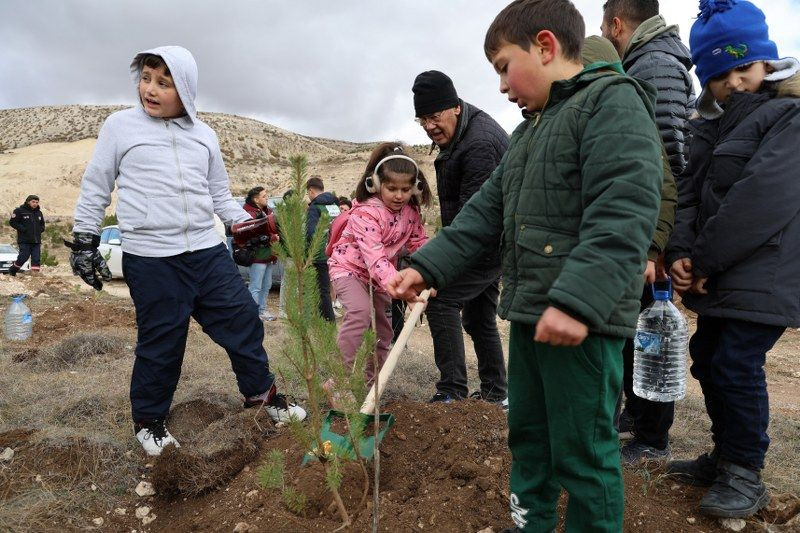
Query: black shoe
{"points": [[442, 397], [737, 492], [625, 425], [502, 402], [637, 452], [13, 269], [700, 472]]}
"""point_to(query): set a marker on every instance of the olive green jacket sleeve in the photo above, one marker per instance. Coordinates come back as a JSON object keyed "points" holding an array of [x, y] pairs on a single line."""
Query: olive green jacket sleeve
{"points": [[621, 180], [666, 215], [476, 229]]}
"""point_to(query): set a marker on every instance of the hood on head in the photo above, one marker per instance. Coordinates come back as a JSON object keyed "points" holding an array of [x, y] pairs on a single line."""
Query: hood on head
{"points": [[183, 68]]}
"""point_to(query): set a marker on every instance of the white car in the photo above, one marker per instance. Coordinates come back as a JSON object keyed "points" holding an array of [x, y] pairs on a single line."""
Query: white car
{"points": [[8, 254]]}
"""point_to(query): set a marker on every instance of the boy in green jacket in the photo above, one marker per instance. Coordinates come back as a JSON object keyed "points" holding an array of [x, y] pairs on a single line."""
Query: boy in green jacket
{"points": [[574, 203]]}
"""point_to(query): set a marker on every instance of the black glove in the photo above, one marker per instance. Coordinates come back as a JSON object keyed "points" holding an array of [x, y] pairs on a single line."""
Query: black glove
{"points": [[86, 260]]}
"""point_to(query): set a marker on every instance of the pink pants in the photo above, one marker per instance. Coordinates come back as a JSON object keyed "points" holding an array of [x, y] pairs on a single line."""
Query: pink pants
{"points": [[354, 295]]}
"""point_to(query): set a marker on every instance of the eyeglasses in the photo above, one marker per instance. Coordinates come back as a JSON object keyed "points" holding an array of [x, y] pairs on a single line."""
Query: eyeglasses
{"points": [[432, 119]]}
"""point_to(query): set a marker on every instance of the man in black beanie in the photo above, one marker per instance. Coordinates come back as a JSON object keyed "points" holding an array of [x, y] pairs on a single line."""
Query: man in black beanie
{"points": [[28, 220], [471, 144]]}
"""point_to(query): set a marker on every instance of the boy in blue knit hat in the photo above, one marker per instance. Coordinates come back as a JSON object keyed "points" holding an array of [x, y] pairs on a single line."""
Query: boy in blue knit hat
{"points": [[735, 251]]}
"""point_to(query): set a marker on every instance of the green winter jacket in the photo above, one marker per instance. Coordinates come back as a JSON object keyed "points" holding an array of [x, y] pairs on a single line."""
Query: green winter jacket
{"points": [[573, 202]]}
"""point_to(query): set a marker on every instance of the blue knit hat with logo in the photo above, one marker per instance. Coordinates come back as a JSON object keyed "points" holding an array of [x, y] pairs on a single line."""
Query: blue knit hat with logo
{"points": [[728, 34]]}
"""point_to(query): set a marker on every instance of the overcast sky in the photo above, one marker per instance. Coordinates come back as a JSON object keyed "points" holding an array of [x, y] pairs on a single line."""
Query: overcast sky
{"points": [[339, 69]]}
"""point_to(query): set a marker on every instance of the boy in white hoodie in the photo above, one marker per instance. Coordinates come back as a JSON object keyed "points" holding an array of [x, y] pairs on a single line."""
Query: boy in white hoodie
{"points": [[171, 181]]}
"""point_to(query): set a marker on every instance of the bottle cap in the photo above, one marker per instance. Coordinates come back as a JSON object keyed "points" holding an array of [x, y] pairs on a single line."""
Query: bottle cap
{"points": [[662, 295]]}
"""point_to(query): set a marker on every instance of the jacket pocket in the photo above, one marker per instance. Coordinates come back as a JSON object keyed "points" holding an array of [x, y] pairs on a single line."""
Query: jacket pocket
{"points": [[131, 211], [541, 253], [728, 161], [757, 273], [164, 212]]}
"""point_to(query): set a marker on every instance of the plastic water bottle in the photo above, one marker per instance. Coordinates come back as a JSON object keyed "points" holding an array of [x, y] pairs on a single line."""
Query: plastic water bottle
{"points": [[18, 325], [660, 347]]}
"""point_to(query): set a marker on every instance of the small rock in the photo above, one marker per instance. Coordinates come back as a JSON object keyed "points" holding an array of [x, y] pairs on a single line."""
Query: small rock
{"points": [[252, 494], [120, 511], [241, 527], [486, 530], [129, 454], [43, 295], [38, 478], [734, 524], [796, 374], [491, 495], [401, 436], [93, 487], [691, 519], [142, 511], [675, 487], [148, 465], [246, 469], [148, 519], [98, 521], [145, 488], [7, 455]]}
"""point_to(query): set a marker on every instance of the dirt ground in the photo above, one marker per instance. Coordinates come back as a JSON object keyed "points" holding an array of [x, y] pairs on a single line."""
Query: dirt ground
{"points": [[64, 413]]}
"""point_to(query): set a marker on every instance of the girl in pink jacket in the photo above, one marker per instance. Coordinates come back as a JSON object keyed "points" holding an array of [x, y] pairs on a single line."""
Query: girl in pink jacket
{"points": [[385, 218]]}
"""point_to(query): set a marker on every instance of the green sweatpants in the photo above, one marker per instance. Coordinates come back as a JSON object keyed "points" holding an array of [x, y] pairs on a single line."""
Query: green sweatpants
{"points": [[561, 432]]}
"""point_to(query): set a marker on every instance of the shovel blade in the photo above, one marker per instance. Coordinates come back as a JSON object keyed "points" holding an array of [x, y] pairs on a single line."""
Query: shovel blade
{"points": [[341, 443]]}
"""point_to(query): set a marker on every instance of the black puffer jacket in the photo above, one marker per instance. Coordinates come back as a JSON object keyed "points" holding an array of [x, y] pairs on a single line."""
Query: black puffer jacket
{"points": [[29, 224], [739, 211], [664, 61], [467, 162]]}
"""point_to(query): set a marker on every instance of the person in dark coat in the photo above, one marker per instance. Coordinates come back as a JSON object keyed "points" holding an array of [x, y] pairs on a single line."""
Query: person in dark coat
{"points": [[735, 251], [653, 52], [471, 144], [28, 220], [321, 201]]}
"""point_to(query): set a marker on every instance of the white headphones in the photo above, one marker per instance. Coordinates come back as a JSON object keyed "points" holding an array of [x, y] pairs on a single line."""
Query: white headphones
{"points": [[373, 183]]}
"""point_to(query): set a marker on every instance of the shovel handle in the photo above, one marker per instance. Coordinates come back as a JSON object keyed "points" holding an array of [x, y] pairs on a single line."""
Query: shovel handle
{"points": [[368, 407]]}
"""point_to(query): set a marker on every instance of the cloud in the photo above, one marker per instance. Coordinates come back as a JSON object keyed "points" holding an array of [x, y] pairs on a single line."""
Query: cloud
{"points": [[331, 69]]}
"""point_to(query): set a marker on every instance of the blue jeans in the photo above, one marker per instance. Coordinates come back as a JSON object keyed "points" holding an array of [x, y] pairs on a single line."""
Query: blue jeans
{"points": [[260, 283], [728, 359]]}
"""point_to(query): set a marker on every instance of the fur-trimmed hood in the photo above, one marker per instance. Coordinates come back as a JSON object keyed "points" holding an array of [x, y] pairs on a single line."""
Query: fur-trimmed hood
{"points": [[790, 87]]}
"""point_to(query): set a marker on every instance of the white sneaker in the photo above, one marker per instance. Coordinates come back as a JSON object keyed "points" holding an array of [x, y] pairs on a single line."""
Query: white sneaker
{"points": [[266, 316], [154, 437], [278, 407]]}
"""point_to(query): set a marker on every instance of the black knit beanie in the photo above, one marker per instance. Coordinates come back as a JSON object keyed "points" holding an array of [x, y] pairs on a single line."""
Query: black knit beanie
{"points": [[31, 197], [433, 92]]}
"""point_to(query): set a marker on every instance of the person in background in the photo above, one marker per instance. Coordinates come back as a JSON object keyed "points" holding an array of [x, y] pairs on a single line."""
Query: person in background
{"points": [[345, 204], [651, 51], [321, 201], [470, 145], [735, 251], [28, 220], [263, 263]]}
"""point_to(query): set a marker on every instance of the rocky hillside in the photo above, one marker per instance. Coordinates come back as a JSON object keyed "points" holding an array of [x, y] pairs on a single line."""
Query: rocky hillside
{"points": [[44, 150]]}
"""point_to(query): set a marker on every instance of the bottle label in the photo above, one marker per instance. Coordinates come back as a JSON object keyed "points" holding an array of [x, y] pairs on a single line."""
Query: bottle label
{"points": [[646, 342], [27, 318]]}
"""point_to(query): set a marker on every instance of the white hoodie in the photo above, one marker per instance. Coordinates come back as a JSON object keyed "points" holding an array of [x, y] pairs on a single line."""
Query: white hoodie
{"points": [[170, 174]]}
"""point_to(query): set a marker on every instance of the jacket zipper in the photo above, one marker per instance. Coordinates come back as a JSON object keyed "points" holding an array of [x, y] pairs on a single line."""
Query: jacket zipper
{"points": [[516, 259], [183, 188]]}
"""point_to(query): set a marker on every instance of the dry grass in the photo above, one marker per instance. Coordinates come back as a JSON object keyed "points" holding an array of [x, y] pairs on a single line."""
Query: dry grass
{"points": [[80, 348], [80, 402]]}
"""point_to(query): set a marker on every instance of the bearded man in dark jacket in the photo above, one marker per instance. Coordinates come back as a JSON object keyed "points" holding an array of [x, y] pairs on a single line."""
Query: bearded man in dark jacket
{"points": [[471, 144], [28, 220], [653, 52]]}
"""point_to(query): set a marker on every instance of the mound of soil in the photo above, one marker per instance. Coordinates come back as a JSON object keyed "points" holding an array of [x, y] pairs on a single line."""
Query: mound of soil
{"points": [[215, 447], [443, 468]]}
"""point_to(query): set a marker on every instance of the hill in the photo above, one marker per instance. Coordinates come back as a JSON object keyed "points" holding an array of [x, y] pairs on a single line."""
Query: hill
{"points": [[44, 150]]}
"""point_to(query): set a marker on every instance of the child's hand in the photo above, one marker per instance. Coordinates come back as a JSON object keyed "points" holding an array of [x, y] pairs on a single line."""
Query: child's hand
{"points": [[682, 277], [699, 286], [650, 272], [406, 285], [559, 329]]}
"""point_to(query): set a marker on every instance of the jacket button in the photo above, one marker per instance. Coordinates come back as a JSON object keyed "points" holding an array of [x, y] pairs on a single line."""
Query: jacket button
{"points": [[548, 249]]}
